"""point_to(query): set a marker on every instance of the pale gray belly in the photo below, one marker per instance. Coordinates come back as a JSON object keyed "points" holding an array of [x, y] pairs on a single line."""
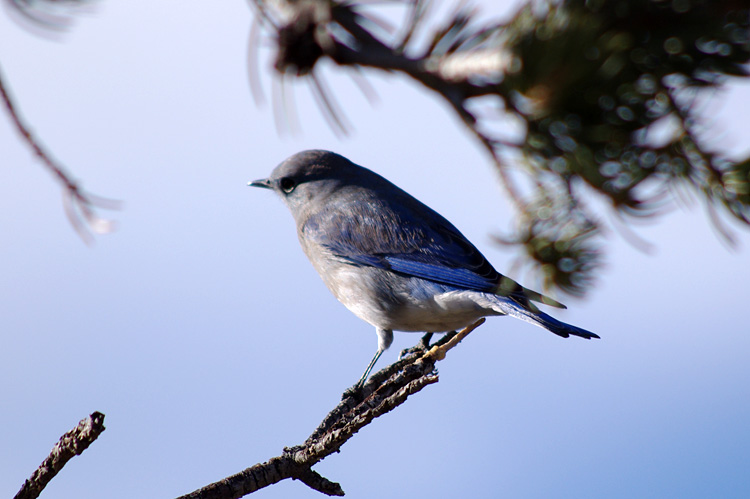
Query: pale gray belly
{"points": [[390, 301]]}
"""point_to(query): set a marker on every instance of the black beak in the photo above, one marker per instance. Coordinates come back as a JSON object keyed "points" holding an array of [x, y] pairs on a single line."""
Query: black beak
{"points": [[264, 183]]}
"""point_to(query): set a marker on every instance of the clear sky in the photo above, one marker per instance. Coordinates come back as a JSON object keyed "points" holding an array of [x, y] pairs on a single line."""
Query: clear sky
{"points": [[207, 339]]}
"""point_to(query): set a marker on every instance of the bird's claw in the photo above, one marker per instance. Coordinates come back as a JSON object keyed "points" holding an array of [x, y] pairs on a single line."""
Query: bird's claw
{"points": [[419, 348]]}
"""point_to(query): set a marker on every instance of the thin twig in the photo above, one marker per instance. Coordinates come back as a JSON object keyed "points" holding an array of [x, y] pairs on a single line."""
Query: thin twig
{"points": [[374, 53], [78, 203]]}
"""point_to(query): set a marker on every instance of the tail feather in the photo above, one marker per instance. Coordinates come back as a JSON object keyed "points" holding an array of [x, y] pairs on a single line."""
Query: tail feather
{"points": [[548, 322], [560, 328]]}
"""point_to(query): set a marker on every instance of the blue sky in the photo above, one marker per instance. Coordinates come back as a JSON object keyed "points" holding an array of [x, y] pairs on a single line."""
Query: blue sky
{"points": [[207, 339]]}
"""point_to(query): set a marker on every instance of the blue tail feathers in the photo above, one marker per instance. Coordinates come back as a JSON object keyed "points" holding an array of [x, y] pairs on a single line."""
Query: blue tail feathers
{"points": [[539, 318], [558, 327]]}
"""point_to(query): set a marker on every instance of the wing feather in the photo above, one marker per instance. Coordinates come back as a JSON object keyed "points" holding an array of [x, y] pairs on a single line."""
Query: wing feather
{"points": [[404, 236]]}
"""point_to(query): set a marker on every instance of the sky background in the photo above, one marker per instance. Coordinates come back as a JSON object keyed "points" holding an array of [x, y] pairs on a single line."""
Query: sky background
{"points": [[210, 343]]}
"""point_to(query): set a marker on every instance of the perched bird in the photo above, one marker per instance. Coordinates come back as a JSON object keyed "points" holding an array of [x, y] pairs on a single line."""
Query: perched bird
{"points": [[391, 260]]}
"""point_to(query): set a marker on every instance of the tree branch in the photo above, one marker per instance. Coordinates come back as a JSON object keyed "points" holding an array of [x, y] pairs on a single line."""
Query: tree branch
{"points": [[586, 80], [73, 443], [80, 205], [383, 392]]}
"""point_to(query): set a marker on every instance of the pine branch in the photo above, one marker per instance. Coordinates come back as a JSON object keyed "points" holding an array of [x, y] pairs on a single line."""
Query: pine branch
{"points": [[589, 78]]}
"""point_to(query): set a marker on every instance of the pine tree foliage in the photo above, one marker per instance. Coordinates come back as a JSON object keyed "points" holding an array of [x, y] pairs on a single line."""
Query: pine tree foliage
{"points": [[595, 84], [606, 91]]}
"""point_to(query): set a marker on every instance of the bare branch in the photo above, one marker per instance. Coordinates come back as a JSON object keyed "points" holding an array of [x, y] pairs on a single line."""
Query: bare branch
{"points": [[73, 443], [80, 206], [383, 392]]}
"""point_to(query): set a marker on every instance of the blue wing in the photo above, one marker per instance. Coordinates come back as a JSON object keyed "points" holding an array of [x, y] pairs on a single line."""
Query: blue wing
{"points": [[402, 235]]}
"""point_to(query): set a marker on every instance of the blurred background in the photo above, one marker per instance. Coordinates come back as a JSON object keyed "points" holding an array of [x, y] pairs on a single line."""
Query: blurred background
{"points": [[202, 332]]}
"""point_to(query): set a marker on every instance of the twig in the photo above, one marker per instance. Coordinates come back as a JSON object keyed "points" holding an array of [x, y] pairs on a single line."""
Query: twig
{"points": [[73, 443], [449, 75], [383, 392], [78, 203]]}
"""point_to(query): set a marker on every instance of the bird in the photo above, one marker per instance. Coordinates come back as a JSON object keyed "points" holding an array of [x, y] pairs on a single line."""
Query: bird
{"points": [[390, 259]]}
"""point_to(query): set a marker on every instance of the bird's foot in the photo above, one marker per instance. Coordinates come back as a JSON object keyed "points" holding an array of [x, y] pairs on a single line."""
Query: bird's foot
{"points": [[419, 348]]}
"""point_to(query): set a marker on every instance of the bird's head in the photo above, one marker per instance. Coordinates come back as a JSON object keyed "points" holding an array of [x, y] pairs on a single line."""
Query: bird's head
{"points": [[307, 179]]}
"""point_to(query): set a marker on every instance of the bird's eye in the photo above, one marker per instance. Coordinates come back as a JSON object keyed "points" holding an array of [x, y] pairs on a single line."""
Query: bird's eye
{"points": [[287, 184]]}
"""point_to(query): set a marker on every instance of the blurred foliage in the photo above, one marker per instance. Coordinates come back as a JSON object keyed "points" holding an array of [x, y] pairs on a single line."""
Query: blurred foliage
{"points": [[49, 14], [560, 238], [596, 77], [607, 90]]}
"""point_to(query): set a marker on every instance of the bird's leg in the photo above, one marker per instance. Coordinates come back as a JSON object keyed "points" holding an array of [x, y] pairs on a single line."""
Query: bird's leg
{"points": [[422, 346], [424, 342], [374, 360], [385, 338]]}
